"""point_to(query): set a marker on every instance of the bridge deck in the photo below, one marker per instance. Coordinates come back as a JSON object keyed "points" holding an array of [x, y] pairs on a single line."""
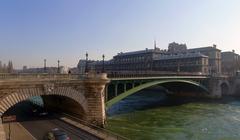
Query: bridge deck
{"points": [[39, 76], [158, 77]]}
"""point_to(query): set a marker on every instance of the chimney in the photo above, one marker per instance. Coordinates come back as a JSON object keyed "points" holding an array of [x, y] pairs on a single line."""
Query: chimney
{"points": [[214, 46]]}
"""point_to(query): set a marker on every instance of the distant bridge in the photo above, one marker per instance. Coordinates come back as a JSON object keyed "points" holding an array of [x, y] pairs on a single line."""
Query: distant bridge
{"points": [[124, 85]]}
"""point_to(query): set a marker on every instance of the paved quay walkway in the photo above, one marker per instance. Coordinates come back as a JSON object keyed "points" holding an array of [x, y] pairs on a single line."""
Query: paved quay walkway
{"points": [[17, 132], [98, 133], [2, 132]]}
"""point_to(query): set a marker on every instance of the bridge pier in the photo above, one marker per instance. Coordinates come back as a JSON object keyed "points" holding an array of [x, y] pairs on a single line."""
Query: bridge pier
{"points": [[235, 90], [215, 91], [219, 87], [94, 91]]}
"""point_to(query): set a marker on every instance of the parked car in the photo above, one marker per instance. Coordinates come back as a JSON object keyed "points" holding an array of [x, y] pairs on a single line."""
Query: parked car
{"points": [[56, 134]]}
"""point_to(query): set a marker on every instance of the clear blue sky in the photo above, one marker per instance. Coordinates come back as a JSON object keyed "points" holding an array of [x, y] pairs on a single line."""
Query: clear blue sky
{"points": [[31, 30]]}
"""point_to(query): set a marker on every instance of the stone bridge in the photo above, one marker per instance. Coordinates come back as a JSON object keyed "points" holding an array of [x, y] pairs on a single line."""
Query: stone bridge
{"points": [[81, 95], [88, 96]]}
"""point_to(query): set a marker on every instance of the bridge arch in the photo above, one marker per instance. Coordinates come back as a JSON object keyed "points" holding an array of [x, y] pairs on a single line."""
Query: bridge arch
{"points": [[13, 97], [150, 84], [225, 87]]}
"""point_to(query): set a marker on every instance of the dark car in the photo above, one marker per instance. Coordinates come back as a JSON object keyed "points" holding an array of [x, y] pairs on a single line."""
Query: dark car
{"points": [[39, 112], [56, 134]]}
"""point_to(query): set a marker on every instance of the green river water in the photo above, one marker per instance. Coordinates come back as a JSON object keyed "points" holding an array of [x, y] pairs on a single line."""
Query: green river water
{"points": [[149, 115]]}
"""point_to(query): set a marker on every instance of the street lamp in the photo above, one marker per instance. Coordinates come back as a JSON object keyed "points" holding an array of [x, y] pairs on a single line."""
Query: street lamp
{"points": [[86, 66], [178, 68], [103, 56], [45, 65], [58, 69]]}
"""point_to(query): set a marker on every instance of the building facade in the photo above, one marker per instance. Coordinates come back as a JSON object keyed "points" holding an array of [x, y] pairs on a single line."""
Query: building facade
{"points": [[136, 61], [91, 66], [230, 63], [214, 56], [189, 62], [151, 60], [178, 58]]}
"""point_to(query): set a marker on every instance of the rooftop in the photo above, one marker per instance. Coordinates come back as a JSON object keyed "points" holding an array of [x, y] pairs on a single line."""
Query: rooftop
{"points": [[179, 56], [157, 50], [205, 48]]}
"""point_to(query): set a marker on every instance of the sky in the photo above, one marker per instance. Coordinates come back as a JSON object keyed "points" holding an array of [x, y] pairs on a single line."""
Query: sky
{"points": [[34, 30]]}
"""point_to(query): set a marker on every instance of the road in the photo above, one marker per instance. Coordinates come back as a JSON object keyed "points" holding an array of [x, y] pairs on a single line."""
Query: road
{"points": [[39, 128], [36, 127]]}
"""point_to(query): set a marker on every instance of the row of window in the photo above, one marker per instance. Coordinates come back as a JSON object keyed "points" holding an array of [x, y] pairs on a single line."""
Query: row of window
{"points": [[173, 61], [133, 59]]}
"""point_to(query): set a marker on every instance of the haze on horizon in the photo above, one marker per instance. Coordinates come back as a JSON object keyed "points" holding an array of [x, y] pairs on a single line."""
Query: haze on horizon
{"points": [[31, 31]]}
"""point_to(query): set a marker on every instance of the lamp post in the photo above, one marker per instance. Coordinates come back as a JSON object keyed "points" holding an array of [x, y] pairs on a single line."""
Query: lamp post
{"points": [[58, 69], [103, 69], [178, 69], [86, 66], [45, 65]]}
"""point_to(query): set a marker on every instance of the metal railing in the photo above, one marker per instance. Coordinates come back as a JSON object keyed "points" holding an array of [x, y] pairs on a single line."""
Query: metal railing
{"points": [[131, 74], [40, 76]]}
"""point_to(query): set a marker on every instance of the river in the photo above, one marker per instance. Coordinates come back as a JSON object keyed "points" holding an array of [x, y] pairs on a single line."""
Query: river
{"points": [[151, 115]]}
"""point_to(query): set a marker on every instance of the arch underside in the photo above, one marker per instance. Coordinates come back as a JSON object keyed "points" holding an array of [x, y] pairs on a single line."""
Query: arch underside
{"points": [[63, 104], [151, 84], [20, 95]]}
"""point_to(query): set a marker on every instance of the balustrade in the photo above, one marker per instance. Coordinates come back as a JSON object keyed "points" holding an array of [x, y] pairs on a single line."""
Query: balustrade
{"points": [[40, 76]]}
